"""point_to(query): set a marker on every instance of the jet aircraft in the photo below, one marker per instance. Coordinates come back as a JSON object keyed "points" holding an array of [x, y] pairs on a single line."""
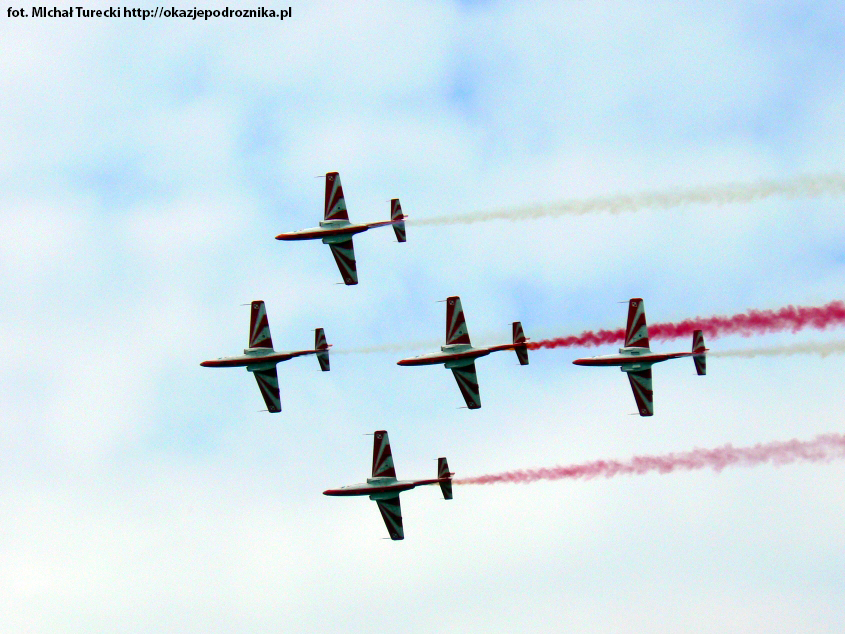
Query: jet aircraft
{"points": [[459, 356], [261, 359], [384, 488], [636, 358], [336, 230]]}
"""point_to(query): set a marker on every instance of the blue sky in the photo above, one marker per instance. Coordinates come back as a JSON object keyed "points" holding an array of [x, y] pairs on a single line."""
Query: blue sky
{"points": [[146, 167]]}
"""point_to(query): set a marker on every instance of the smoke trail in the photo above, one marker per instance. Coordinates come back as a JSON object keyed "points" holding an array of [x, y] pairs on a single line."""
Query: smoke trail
{"points": [[799, 187], [432, 344], [823, 448], [823, 349], [753, 322]]}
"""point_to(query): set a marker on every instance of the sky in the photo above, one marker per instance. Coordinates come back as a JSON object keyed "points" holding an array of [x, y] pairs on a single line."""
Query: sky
{"points": [[146, 166]]}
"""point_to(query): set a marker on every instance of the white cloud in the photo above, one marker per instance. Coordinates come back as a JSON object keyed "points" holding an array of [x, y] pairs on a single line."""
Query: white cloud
{"points": [[147, 168]]}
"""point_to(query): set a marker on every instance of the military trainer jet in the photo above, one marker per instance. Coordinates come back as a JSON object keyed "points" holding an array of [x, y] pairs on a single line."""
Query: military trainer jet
{"points": [[261, 359], [459, 356], [384, 488], [636, 358], [336, 230]]}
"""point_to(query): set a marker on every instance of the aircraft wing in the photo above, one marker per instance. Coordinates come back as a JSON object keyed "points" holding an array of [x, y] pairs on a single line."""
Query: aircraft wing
{"points": [[636, 330], [335, 207], [456, 325], [391, 513], [344, 255], [268, 383], [468, 383], [259, 327], [641, 385], [382, 456]]}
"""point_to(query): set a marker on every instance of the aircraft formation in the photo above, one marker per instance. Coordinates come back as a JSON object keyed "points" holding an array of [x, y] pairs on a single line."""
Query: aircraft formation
{"points": [[457, 354]]}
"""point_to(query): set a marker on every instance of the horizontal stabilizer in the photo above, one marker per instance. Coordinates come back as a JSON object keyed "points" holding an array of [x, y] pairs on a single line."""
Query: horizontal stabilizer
{"points": [[519, 343], [699, 352], [398, 220], [445, 478], [698, 342], [322, 345]]}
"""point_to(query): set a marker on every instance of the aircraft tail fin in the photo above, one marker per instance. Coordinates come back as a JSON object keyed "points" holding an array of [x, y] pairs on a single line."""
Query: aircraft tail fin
{"points": [[444, 477], [699, 353], [322, 346], [398, 219], [519, 343]]}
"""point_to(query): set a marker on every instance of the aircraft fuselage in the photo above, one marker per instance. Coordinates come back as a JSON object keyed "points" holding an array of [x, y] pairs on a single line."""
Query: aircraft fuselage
{"points": [[454, 355], [333, 230], [379, 488], [631, 358], [256, 358]]}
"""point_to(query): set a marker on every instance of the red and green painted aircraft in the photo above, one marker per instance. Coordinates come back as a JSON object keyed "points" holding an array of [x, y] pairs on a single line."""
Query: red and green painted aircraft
{"points": [[384, 488], [261, 359], [636, 358], [336, 230], [459, 356]]}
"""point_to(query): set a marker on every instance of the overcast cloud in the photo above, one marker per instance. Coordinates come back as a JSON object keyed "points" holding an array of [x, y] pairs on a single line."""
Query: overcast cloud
{"points": [[146, 167]]}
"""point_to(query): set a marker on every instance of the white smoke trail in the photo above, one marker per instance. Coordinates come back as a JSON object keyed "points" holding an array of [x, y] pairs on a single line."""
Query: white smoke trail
{"points": [[430, 345], [832, 184], [822, 349]]}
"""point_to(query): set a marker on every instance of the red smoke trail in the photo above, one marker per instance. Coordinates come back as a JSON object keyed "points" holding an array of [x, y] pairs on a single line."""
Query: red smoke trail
{"points": [[754, 322], [822, 448]]}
